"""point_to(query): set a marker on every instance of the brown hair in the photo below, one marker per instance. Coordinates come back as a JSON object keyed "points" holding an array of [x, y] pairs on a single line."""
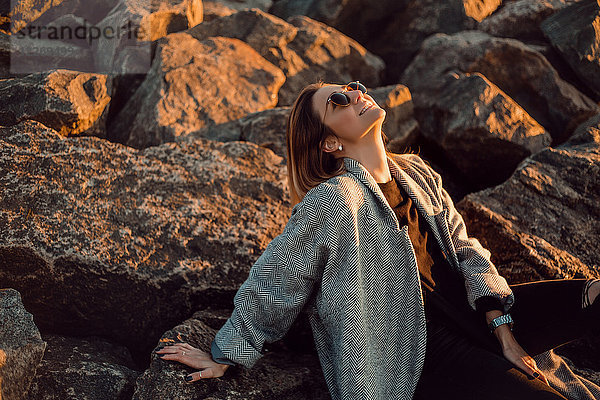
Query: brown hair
{"points": [[308, 165]]}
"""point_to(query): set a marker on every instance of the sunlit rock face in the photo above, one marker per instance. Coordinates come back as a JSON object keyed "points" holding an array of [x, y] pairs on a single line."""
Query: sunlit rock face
{"points": [[305, 50], [70, 102], [196, 83], [149, 235], [522, 73], [542, 223], [482, 131]]}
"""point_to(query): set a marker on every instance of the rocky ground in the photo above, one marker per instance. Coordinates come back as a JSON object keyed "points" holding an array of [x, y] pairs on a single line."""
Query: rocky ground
{"points": [[139, 181]]}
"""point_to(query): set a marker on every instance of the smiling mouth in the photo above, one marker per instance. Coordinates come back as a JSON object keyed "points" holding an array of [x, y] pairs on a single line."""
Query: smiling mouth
{"points": [[365, 108]]}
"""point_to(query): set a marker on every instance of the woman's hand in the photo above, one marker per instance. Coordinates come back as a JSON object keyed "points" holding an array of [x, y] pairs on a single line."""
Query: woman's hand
{"points": [[195, 358], [514, 353]]}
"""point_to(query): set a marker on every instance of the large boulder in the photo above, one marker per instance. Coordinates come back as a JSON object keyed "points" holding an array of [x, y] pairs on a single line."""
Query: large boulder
{"points": [[481, 130], [149, 235], [70, 102], [193, 84], [88, 368], [543, 222], [519, 71], [304, 49], [282, 373], [21, 346], [575, 33]]}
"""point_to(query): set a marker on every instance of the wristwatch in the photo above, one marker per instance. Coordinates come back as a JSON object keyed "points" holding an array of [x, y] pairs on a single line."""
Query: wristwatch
{"points": [[503, 319]]}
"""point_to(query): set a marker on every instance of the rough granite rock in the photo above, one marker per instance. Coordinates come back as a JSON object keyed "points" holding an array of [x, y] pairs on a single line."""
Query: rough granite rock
{"points": [[481, 130], [265, 128], [21, 346], [193, 84], [522, 73], [521, 19], [325, 11], [575, 33], [263, 5], [543, 222], [395, 29], [70, 102], [400, 125], [215, 9], [150, 235], [22, 12], [83, 369], [304, 49], [280, 374], [144, 21]]}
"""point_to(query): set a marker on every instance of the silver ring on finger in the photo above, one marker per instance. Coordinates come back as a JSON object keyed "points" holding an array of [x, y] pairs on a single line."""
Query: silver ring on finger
{"points": [[200, 373], [183, 353]]}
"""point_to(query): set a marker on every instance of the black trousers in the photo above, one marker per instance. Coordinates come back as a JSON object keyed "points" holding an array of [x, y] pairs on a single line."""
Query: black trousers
{"points": [[547, 314]]}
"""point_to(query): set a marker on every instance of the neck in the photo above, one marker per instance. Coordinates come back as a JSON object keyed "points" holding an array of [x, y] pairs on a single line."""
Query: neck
{"points": [[371, 154]]}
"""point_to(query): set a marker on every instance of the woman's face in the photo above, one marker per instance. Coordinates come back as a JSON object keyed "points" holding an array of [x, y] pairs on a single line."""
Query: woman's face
{"points": [[352, 122]]}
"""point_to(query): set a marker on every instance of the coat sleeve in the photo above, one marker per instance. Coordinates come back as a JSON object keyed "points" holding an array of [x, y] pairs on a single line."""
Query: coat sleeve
{"points": [[480, 274], [278, 286]]}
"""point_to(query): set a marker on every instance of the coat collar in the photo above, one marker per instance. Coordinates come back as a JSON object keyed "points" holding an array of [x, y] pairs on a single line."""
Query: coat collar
{"points": [[417, 194]]}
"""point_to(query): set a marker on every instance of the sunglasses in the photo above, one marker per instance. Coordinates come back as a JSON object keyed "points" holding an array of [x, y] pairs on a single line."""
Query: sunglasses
{"points": [[341, 98]]}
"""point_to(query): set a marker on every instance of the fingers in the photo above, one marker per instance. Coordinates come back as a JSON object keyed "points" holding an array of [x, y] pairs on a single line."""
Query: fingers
{"points": [[534, 371], [204, 374]]}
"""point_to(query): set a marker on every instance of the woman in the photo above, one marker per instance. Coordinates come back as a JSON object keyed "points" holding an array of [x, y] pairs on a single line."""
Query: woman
{"points": [[379, 257]]}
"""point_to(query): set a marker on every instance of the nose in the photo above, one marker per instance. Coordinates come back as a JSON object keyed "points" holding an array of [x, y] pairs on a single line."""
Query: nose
{"points": [[356, 95]]}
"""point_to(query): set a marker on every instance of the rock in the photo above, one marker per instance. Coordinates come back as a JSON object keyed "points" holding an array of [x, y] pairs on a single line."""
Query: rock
{"points": [[304, 49], [83, 368], [574, 32], [265, 128], [481, 130], [262, 5], [70, 102], [139, 22], [400, 126], [326, 12], [521, 19], [542, 222], [522, 73], [91, 11], [22, 12], [4, 55], [215, 9], [151, 235], [194, 84], [279, 374], [21, 346], [30, 55], [395, 29]]}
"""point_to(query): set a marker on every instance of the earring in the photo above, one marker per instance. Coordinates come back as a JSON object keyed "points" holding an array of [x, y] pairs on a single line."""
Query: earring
{"points": [[340, 148]]}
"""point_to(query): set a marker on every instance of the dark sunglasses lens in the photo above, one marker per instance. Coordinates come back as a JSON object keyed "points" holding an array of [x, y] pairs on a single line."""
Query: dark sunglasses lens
{"points": [[340, 99], [357, 86]]}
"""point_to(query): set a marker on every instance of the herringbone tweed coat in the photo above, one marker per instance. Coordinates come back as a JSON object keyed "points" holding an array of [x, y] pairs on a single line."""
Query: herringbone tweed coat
{"points": [[343, 258]]}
